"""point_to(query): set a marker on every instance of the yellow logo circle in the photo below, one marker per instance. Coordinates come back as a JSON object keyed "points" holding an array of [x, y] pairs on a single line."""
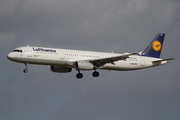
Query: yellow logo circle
{"points": [[156, 45]]}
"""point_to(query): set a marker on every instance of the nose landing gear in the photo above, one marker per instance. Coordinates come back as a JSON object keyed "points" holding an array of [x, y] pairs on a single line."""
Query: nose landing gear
{"points": [[25, 70]]}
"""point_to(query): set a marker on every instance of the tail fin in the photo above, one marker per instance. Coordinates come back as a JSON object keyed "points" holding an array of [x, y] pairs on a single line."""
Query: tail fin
{"points": [[155, 47]]}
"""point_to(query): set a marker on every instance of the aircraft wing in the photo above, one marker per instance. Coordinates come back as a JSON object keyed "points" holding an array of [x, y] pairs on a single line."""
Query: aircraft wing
{"points": [[102, 61]]}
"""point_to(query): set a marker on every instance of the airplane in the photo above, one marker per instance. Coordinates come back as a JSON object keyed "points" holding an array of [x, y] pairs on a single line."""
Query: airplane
{"points": [[64, 60]]}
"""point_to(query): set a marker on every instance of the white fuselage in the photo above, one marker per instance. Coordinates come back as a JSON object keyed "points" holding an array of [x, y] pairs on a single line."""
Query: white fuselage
{"points": [[64, 57]]}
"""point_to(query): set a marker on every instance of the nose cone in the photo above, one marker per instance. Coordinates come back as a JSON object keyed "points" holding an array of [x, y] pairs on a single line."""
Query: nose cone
{"points": [[10, 56]]}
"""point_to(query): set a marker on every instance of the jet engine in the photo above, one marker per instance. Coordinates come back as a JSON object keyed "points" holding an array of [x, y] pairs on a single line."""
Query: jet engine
{"points": [[60, 69], [81, 65]]}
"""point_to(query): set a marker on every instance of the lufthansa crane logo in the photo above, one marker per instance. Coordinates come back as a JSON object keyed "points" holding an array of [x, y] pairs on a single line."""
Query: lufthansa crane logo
{"points": [[156, 45]]}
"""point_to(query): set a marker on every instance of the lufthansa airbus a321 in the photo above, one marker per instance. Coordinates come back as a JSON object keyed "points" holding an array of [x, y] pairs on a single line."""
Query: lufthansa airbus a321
{"points": [[63, 60]]}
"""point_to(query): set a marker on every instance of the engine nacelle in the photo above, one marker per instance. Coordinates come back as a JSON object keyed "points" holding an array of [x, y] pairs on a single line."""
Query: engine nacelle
{"points": [[60, 69], [81, 65]]}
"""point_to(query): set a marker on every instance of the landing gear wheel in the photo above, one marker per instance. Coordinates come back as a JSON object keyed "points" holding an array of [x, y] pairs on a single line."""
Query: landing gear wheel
{"points": [[26, 66], [95, 74], [25, 70], [79, 75]]}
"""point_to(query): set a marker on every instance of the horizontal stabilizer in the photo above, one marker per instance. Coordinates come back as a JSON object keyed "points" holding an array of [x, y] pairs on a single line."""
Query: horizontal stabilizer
{"points": [[163, 60]]}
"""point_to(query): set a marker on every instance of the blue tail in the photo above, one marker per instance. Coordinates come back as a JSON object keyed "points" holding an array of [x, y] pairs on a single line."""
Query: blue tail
{"points": [[155, 47]]}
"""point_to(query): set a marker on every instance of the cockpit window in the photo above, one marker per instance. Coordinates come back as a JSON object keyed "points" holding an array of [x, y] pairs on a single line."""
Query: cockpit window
{"points": [[17, 50]]}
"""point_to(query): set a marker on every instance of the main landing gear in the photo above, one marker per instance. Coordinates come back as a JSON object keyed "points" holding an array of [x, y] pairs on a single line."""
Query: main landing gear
{"points": [[80, 75], [95, 74], [25, 70]]}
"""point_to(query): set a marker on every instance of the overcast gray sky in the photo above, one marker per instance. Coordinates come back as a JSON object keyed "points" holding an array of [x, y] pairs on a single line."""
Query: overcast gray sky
{"points": [[98, 25]]}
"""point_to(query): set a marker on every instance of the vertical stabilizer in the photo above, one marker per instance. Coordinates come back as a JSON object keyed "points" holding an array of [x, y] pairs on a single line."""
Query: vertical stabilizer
{"points": [[155, 47]]}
